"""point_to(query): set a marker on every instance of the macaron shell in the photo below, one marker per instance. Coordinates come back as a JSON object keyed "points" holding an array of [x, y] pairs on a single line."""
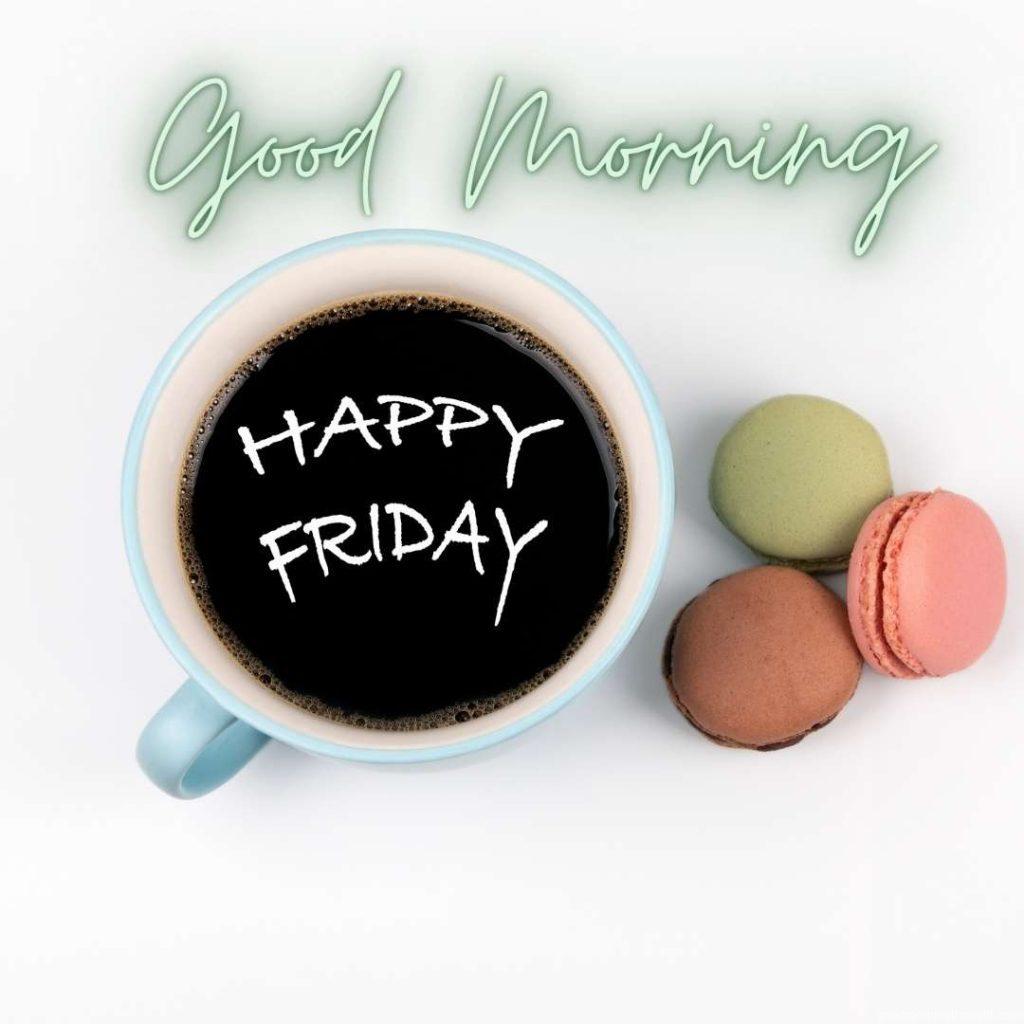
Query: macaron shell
{"points": [[795, 477], [864, 586], [948, 585], [762, 657]]}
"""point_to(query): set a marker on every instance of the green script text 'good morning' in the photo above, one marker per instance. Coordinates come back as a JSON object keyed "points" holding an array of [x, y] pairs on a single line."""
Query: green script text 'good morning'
{"points": [[202, 127]]}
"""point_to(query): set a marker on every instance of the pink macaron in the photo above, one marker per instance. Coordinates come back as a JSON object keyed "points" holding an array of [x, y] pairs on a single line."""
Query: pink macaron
{"points": [[927, 584]]}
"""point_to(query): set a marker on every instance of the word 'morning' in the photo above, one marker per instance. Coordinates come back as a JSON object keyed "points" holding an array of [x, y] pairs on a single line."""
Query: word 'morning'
{"points": [[329, 535], [878, 143], [455, 415]]}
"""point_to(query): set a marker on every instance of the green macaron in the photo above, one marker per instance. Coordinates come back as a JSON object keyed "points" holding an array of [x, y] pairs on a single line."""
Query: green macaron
{"points": [[796, 477]]}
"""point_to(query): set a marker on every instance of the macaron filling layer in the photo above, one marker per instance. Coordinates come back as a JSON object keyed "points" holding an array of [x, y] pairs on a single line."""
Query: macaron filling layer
{"points": [[891, 584], [879, 601]]}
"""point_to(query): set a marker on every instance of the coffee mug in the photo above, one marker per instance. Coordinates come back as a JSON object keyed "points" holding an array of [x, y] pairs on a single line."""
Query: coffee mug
{"points": [[222, 715]]}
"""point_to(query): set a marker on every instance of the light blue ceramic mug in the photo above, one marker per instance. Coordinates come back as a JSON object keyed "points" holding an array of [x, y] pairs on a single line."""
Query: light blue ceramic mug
{"points": [[222, 715]]}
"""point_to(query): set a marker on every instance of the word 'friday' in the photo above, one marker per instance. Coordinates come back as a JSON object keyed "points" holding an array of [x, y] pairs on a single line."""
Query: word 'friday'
{"points": [[464, 530], [205, 106]]}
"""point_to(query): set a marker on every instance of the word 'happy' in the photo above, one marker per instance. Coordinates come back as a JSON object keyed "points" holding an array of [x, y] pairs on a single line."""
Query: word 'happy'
{"points": [[329, 534]]}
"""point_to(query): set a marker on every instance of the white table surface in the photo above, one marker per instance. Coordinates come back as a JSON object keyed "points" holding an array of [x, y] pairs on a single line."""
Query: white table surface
{"points": [[611, 864]]}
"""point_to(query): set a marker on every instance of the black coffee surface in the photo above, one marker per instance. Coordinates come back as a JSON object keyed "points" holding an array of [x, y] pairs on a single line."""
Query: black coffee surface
{"points": [[340, 563]]}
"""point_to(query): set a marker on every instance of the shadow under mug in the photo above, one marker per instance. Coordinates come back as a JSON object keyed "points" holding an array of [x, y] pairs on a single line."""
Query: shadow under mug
{"points": [[222, 715]]}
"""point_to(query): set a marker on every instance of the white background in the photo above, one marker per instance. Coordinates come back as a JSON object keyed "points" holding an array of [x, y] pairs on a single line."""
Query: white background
{"points": [[610, 864]]}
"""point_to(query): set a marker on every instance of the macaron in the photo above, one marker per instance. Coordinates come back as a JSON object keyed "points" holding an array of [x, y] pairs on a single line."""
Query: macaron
{"points": [[761, 658], [796, 476], [927, 584]]}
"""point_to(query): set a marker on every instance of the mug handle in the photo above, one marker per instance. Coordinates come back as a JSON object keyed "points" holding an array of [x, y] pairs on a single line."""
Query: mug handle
{"points": [[192, 745]]}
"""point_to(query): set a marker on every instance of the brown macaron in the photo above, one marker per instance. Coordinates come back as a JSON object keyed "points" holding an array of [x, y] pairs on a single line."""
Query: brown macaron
{"points": [[762, 658]]}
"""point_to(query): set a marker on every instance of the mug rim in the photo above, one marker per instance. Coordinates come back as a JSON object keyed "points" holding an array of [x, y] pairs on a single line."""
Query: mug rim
{"points": [[184, 342]]}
